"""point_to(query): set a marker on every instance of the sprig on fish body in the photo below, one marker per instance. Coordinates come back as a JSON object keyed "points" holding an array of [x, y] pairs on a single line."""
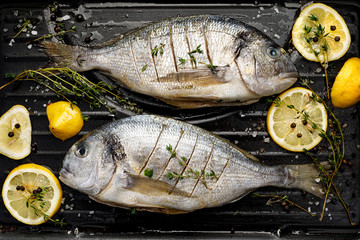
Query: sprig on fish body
{"points": [[190, 172], [67, 83], [158, 49], [194, 61], [335, 138]]}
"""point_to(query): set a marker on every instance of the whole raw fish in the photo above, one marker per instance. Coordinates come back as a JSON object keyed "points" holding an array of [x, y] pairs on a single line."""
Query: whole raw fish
{"points": [[188, 62], [164, 165]]}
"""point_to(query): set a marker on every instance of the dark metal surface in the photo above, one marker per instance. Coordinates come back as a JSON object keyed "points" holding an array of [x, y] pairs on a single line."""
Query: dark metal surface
{"points": [[244, 126]]}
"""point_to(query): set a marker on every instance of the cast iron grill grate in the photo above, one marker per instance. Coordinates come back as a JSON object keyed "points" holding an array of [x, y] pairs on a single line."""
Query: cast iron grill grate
{"points": [[244, 126]]}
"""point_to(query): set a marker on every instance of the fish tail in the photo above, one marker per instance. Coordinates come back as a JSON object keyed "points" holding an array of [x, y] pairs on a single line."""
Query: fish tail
{"points": [[304, 178], [63, 55]]}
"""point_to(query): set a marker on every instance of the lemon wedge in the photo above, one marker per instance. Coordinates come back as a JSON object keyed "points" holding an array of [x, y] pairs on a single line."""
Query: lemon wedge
{"points": [[32, 194], [65, 120], [320, 33], [15, 132], [295, 120]]}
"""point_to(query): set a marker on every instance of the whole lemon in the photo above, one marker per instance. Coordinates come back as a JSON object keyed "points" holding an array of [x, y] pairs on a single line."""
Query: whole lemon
{"points": [[346, 89], [65, 120]]}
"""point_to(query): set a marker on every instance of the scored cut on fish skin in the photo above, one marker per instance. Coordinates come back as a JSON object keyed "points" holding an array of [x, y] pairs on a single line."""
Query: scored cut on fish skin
{"points": [[188, 62], [122, 151]]}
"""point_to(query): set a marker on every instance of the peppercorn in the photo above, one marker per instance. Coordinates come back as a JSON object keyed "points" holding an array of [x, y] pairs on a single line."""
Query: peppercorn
{"points": [[53, 17], [299, 135], [87, 40], [304, 122], [293, 125], [57, 29], [79, 17], [17, 125], [315, 39], [332, 28], [337, 38], [11, 134], [18, 188]]}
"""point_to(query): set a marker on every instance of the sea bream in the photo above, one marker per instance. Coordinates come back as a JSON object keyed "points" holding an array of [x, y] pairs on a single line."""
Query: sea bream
{"points": [[188, 62], [164, 165]]}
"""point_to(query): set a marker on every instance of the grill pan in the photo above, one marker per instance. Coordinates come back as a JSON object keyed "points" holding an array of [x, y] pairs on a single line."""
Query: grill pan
{"points": [[244, 126]]}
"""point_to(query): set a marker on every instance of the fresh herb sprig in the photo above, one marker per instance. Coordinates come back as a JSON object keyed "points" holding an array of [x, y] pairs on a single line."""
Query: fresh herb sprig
{"points": [[335, 139], [158, 49], [36, 202], [194, 61], [67, 83], [190, 172], [280, 199], [316, 35]]}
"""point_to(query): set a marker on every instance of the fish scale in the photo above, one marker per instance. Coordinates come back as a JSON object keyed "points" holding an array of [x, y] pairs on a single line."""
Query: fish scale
{"points": [[132, 145]]}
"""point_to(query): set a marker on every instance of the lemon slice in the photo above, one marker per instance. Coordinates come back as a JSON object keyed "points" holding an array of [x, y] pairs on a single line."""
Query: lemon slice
{"points": [[335, 36], [291, 118], [15, 133], [23, 198]]}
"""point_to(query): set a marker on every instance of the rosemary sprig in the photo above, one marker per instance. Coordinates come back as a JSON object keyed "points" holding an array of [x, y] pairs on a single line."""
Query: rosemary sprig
{"points": [[67, 83], [190, 172]]}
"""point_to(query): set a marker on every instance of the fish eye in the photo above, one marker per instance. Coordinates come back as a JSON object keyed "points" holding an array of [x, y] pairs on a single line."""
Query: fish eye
{"points": [[273, 52], [81, 151]]}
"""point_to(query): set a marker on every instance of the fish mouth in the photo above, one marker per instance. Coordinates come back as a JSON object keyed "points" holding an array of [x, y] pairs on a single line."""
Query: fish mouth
{"points": [[65, 176], [288, 75]]}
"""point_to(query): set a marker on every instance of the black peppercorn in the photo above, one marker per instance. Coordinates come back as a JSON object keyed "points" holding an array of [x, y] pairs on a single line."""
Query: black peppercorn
{"points": [[337, 38], [332, 28], [17, 125], [299, 135], [293, 125], [11, 134], [79, 17], [315, 39]]}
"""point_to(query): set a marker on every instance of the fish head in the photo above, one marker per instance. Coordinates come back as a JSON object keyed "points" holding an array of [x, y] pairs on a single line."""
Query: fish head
{"points": [[265, 67], [89, 164]]}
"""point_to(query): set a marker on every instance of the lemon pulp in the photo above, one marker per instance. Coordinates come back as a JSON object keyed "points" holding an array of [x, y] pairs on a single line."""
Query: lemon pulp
{"points": [[320, 29], [15, 132]]}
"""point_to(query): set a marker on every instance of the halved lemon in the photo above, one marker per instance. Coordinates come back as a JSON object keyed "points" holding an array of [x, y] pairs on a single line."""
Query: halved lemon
{"points": [[32, 194], [295, 120], [320, 30], [15, 133]]}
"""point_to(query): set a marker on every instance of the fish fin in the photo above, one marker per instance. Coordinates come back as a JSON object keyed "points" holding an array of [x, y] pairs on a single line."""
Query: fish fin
{"points": [[149, 186], [63, 55], [304, 178], [201, 76]]}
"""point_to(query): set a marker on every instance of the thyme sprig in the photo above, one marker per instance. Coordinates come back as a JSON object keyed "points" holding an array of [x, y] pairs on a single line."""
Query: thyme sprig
{"points": [[190, 172], [335, 139], [280, 199], [194, 61], [36, 202], [316, 34], [158, 49], [67, 83]]}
